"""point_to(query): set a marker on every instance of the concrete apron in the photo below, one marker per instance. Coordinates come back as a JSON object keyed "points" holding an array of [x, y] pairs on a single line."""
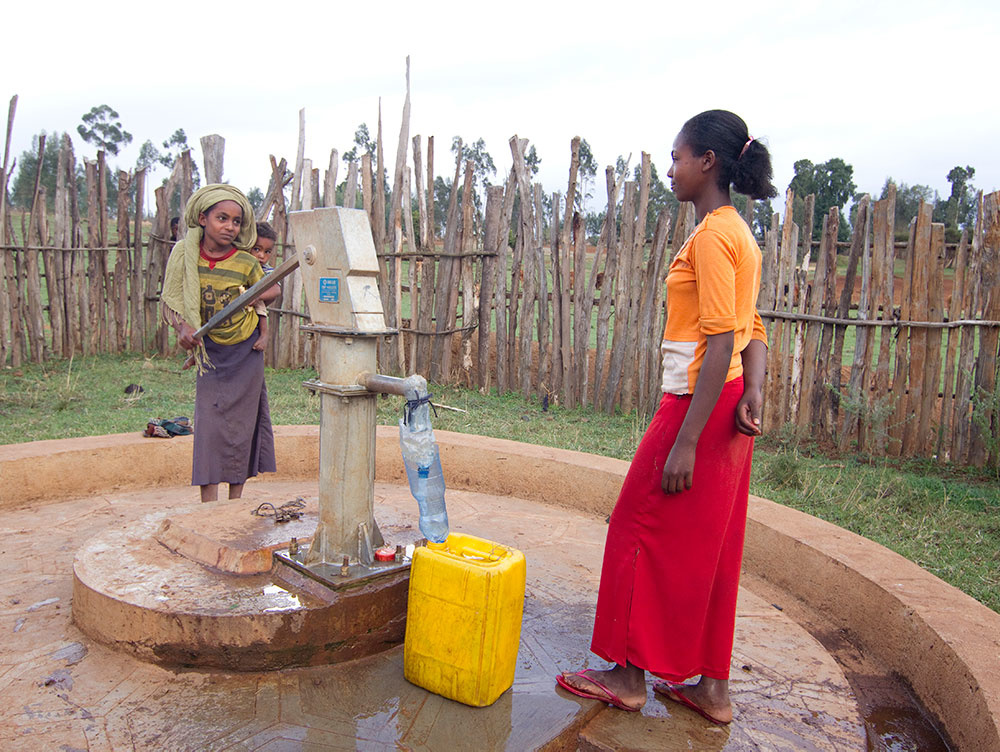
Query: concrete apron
{"points": [[888, 604]]}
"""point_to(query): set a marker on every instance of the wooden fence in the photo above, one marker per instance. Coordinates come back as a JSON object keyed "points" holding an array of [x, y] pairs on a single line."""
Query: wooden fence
{"points": [[892, 363]]}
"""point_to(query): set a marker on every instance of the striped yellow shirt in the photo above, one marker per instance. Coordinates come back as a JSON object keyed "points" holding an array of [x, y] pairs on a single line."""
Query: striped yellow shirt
{"points": [[221, 281]]}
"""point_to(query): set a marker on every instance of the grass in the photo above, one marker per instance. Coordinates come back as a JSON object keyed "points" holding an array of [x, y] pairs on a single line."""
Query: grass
{"points": [[945, 519]]}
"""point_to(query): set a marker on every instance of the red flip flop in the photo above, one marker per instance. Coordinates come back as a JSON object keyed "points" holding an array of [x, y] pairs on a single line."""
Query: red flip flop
{"points": [[610, 697], [672, 692]]}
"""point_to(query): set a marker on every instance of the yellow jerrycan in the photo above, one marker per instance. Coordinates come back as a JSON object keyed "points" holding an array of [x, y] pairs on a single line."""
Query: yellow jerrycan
{"points": [[463, 619]]}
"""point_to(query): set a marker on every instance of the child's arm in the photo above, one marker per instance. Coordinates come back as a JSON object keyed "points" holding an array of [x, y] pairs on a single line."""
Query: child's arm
{"points": [[261, 343], [185, 332]]}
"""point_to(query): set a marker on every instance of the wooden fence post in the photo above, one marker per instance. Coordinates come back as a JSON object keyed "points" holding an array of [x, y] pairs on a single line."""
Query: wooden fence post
{"points": [[855, 420], [441, 348], [330, 180], [135, 292], [859, 243], [213, 149], [491, 230], [883, 259], [986, 361], [958, 308], [35, 324]]}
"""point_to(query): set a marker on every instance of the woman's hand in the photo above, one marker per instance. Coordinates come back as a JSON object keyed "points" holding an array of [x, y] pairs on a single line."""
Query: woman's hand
{"points": [[678, 470], [186, 338], [748, 411]]}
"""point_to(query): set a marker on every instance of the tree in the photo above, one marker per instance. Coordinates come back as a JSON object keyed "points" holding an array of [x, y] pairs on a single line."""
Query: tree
{"points": [[442, 194], [102, 128], [832, 182], [149, 155], [960, 210], [23, 188], [256, 198], [482, 168], [362, 141], [533, 161], [587, 173]]}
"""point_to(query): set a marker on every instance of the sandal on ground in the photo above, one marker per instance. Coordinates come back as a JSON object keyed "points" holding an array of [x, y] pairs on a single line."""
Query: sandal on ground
{"points": [[673, 692], [609, 697]]}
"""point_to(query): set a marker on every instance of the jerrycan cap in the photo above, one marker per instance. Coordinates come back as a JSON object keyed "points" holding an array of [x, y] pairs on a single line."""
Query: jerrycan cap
{"points": [[437, 546]]}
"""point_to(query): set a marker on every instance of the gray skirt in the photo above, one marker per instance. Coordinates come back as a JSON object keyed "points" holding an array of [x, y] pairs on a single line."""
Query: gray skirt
{"points": [[233, 439]]}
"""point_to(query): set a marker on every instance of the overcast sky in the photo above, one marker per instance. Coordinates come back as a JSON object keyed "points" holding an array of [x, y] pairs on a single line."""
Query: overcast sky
{"points": [[900, 89]]}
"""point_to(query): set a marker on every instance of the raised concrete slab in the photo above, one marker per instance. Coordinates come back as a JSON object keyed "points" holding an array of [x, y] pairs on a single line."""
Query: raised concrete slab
{"points": [[58, 687], [234, 539], [942, 643]]}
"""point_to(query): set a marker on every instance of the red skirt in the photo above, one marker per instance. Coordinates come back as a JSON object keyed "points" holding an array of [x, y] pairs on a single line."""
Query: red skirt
{"points": [[667, 601]]}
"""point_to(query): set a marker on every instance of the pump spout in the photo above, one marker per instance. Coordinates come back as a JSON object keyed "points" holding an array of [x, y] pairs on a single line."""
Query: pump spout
{"points": [[412, 387]]}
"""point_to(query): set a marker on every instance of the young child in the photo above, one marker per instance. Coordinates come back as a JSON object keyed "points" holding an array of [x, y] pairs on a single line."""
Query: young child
{"points": [[263, 251], [233, 439]]}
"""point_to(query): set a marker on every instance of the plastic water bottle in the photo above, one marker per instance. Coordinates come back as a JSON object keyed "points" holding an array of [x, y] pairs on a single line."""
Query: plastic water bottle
{"points": [[427, 487], [423, 469]]}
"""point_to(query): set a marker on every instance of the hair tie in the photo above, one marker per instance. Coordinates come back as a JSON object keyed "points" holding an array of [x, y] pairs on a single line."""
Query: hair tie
{"points": [[744, 149]]}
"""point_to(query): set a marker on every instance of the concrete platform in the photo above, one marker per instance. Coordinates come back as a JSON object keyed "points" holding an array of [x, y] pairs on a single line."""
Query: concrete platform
{"points": [[60, 689], [919, 655]]}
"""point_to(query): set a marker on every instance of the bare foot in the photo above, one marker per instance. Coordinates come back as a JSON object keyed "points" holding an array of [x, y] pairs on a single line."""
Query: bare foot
{"points": [[628, 682], [711, 695]]}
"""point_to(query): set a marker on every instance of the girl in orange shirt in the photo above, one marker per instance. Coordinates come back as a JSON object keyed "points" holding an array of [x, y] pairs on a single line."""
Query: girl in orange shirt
{"points": [[667, 600]]}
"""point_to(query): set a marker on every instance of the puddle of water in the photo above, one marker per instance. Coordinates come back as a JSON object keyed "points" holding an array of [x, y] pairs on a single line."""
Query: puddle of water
{"points": [[281, 598], [892, 729]]}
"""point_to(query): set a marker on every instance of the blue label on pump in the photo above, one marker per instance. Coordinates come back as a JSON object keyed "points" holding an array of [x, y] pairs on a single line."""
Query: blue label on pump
{"points": [[329, 289]]}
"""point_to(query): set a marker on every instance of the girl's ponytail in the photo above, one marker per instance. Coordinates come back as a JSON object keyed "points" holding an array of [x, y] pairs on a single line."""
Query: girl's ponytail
{"points": [[752, 172], [744, 162]]}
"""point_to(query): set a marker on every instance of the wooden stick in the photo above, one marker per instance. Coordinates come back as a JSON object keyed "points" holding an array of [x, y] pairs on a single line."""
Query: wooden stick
{"points": [[411, 269], [632, 357], [899, 400], [35, 324], [470, 299], [213, 149], [811, 375], [930, 408], [621, 301], [858, 248], [920, 304], [609, 237], [883, 259], [957, 306], [135, 292], [330, 180], [541, 276], [441, 347], [500, 290], [782, 343], [565, 249], [986, 361], [491, 228], [428, 266], [555, 233]]}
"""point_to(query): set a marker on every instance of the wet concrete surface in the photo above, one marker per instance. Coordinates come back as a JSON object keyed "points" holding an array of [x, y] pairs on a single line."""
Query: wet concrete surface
{"points": [[61, 690]]}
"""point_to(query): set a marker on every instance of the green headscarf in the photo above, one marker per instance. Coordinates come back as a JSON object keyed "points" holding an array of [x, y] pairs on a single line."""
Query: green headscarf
{"points": [[181, 287]]}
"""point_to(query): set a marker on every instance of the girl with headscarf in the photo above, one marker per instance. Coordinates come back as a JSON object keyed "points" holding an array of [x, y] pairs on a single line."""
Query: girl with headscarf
{"points": [[207, 268], [667, 600]]}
